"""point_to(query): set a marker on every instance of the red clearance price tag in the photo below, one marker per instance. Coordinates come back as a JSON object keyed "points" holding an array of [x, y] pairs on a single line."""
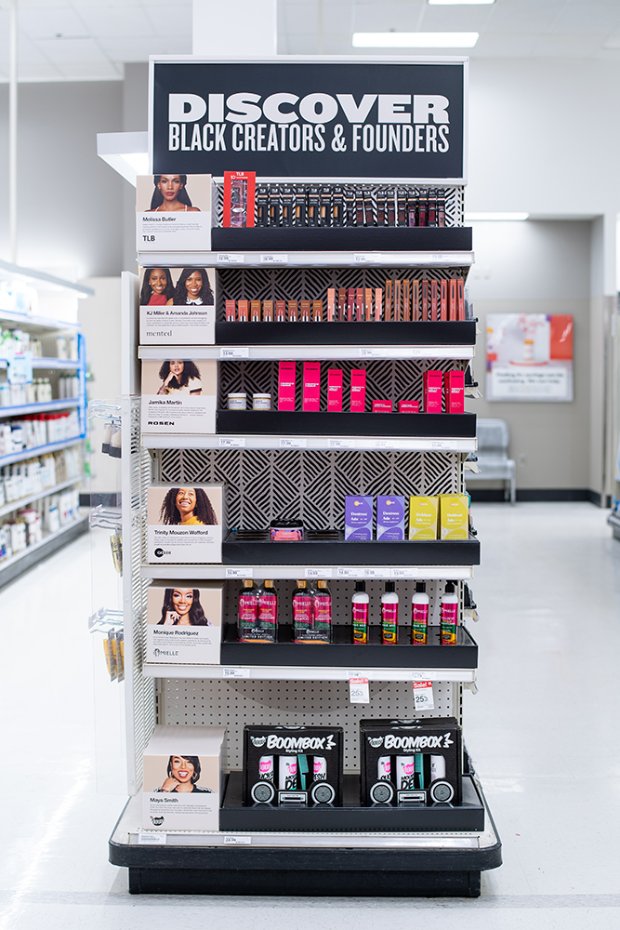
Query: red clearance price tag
{"points": [[423, 695]]}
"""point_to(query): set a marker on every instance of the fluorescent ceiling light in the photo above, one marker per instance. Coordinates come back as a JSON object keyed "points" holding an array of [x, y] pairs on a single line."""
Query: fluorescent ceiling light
{"points": [[415, 39], [509, 217], [459, 2]]}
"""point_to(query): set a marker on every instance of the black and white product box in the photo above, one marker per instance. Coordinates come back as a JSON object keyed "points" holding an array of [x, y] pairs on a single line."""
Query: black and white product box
{"points": [[182, 786], [179, 396], [184, 524], [410, 762], [177, 306], [184, 623], [292, 766], [173, 212]]}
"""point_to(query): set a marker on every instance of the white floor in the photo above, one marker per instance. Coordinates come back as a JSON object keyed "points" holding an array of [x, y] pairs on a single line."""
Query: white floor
{"points": [[543, 730]]}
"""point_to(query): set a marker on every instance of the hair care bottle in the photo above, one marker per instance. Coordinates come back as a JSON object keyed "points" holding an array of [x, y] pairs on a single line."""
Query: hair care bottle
{"points": [[268, 612], [359, 611], [322, 613], [420, 606], [247, 609], [449, 615], [389, 615], [302, 612]]}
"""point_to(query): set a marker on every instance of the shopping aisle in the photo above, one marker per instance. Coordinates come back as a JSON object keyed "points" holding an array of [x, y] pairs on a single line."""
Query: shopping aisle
{"points": [[542, 730]]}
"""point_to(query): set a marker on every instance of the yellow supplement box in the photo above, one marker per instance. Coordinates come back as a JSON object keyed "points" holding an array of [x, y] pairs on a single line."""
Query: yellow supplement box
{"points": [[423, 514], [454, 516]]}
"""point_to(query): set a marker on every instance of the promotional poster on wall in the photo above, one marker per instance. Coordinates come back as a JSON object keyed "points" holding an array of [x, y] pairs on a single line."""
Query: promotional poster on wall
{"points": [[529, 357]]}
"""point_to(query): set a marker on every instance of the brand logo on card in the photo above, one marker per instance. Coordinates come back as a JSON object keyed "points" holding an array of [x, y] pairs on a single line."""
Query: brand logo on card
{"points": [[411, 743], [295, 743], [157, 821]]}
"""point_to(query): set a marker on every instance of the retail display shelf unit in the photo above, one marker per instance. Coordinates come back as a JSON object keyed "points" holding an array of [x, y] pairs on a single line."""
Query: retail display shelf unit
{"points": [[277, 465], [58, 338]]}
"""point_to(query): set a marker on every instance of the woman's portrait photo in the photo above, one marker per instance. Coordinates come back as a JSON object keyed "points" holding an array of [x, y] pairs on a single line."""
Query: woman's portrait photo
{"points": [[193, 289], [170, 195], [183, 775], [182, 607], [187, 507], [179, 377], [157, 287]]}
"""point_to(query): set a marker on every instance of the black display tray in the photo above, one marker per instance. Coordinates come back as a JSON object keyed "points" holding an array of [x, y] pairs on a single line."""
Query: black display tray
{"points": [[341, 652], [331, 549], [384, 333], [345, 239], [298, 423], [351, 817]]}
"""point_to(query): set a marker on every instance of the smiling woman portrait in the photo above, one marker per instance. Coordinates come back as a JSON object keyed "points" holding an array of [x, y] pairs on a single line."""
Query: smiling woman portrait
{"points": [[187, 507], [182, 775], [170, 195]]}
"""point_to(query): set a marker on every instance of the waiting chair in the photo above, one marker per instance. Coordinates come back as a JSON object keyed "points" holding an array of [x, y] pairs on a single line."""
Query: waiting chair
{"points": [[493, 461]]}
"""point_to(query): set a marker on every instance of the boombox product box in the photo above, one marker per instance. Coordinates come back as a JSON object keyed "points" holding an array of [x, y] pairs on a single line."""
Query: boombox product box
{"points": [[292, 766], [410, 762]]}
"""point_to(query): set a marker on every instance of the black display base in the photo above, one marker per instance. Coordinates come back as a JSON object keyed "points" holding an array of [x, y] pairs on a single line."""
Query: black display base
{"points": [[383, 333], [330, 549], [341, 652], [298, 423], [351, 817], [345, 239]]}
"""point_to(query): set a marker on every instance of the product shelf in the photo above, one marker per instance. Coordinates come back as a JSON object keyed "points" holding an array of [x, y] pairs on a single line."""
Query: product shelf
{"points": [[292, 862], [16, 565], [308, 259], [427, 426], [363, 340], [361, 443], [45, 407], [35, 451], [357, 572], [37, 324], [438, 239], [63, 364], [10, 506]]}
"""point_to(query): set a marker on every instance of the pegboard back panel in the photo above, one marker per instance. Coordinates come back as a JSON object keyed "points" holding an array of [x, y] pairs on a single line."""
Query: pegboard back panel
{"points": [[386, 379], [284, 703], [267, 484], [312, 283]]}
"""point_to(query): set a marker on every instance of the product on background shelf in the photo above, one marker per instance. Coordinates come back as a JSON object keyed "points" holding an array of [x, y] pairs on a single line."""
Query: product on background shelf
{"points": [[381, 406], [389, 614], [312, 613], [287, 376], [454, 382], [360, 610], [304, 762], [410, 763], [408, 406], [358, 390], [433, 391], [449, 615], [420, 607], [390, 518], [358, 518], [261, 401], [184, 624], [453, 516], [182, 773], [334, 390], [184, 524], [237, 400], [311, 389], [239, 198], [286, 531], [423, 517]]}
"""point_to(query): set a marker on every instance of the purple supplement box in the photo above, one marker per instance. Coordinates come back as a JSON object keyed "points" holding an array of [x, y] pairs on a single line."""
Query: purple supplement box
{"points": [[358, 519], [390, 519]]}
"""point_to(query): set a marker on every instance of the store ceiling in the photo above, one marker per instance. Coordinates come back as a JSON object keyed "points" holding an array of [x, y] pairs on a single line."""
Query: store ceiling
{"points": [[92, 39]]}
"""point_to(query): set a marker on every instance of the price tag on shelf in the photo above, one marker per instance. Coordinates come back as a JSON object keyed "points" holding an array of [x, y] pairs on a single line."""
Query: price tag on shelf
{"points": [[371, 352], [399, 572], [237, 841], [437, 444], [235, 673], [278, 259], [242, 572], [151, 838], [229, 258], [423, 695], [338, 444], [231, 442], [319, 572], [235, 352], [343, 571], [365, 258], [292, 442], [359, 691]]}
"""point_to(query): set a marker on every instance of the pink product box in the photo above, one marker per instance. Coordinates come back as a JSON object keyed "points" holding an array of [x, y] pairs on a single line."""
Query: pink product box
{"points": [[334, 390], [455, 391], [433, 391], [311, 395], [358, 390], [382, 406], [408, 406], [287, 373]]}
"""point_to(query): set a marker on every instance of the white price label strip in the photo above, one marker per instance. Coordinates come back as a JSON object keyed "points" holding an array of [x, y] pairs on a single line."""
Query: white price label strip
{"points": [[288, 442], [150, 838], [364, 258], [235, 352], [231, 442], [227, 258], [400, 573], [274, 259], [237, 841], [359, 692], [344, 572], [423, 695], [238, 572], [338, 444], [235, 673], [319, 572]]}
